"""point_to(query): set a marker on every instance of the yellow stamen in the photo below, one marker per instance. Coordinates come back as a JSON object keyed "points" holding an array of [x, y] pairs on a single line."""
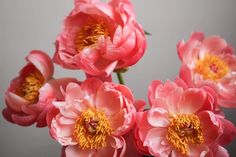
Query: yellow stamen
{"points": [[92, 129], [183, 130], [211, 67], [29, 89], [89, 34]]}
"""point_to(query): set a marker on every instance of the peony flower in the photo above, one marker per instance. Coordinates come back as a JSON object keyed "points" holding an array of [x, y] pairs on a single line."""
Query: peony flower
{"points": [[229, 130], [29, 95], [100, 37], [180, 123], [209, 61], [93, 119]]}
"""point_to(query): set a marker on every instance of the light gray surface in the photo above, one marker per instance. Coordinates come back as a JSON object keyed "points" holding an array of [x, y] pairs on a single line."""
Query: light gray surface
{"points": [[34, 24]]}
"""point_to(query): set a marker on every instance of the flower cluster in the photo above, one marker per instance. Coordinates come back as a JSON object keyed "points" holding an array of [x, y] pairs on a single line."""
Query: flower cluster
{"points": [[97, 117]]}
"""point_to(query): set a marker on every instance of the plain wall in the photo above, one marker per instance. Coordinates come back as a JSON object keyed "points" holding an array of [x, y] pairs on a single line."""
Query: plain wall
{"points": [[34, 24]]}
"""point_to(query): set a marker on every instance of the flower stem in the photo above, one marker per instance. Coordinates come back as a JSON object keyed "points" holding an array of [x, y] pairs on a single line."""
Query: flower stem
{"points": [[120, 78]]}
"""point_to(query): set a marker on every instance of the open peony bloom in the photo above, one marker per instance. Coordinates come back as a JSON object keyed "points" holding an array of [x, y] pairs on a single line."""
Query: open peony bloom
{"points": [[93, 119], [179, 123], [100, 37], [29, 95], [23, 92], [209, 61]]}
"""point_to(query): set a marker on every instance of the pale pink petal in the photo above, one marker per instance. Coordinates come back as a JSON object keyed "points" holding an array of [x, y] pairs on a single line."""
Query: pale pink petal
{"points": [[42, 62], [52, 89], [158, 117], [152, 90], [156, 142], [63, 133], [74, 151], [14, 101], [198, 150], [214, 44], [189, 51]]}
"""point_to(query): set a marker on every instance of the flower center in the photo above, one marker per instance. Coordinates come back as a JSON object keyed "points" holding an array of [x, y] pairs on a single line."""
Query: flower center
{"points": [[183, 130], [29, 89], [211, 67], [92, 129], [89, 35]]}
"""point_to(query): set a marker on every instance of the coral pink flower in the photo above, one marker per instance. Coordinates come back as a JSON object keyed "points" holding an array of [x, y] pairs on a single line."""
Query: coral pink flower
{"points": [[209, 61], [100, 37], [178, 123], [29, 95], [93, 119]]}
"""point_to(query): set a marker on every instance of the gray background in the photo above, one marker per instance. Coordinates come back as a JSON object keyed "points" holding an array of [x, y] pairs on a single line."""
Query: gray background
{"points": [[34, 24]]}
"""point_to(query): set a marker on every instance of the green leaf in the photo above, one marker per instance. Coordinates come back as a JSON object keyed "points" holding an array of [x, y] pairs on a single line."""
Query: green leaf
{"points": [[147, 33]]}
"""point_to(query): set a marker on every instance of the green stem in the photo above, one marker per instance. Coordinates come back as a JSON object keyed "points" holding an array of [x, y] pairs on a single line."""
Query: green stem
{"points": [[120, 78]]}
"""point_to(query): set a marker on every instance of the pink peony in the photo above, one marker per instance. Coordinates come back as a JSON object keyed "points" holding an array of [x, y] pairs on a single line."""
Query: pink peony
{"points": [[180, 123], [100, 37], [93, 119], [29, 95], [209, 61]]}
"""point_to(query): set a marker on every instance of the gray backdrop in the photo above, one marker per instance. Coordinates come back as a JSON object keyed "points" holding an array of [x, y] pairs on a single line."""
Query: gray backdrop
{"points": [[34, 24]]}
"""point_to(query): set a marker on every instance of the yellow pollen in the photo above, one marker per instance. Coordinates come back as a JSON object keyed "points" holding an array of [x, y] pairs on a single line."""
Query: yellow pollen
{"points": [[211, 67], [29, 89], [92, 129], [89, 34], [183, 130]]}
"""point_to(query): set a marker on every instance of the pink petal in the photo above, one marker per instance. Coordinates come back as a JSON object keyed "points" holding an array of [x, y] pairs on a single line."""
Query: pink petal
{"points": [[158, 117], [139, 105], [52, 89], [192, 100], [210, 126], [130, 144], [198, 150], [189, 51], [181, 83], [214, 44], [152, 90], [185, 75], [218, 151], [24, 120], [156, 142], [7, 112], [229, 132], [103, 78], [50, 115], [42, 62], [108, 99], [75, 151], [41, 119], [117, 121], [63, 133], [91, 86], [14, 101], [125, 91]]}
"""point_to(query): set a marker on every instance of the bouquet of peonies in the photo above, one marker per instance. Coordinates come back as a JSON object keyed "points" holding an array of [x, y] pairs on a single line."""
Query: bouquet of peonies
{"points": [[96, 117]]}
